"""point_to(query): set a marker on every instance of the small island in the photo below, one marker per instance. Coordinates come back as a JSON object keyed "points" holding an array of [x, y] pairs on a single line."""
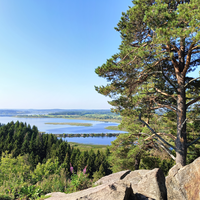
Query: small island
{"points": [[71, 124]]}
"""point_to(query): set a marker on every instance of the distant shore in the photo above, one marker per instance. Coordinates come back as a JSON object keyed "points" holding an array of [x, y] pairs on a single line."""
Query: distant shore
{"points": [[117, 120]]}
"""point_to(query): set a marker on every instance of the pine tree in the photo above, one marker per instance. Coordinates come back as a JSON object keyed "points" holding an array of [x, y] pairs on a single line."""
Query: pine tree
{"points": [[160, 46]]}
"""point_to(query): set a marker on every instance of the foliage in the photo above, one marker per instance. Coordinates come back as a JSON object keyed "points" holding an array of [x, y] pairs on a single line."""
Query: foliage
{"points": [[98, 174], [78, 182], [43, 171], [30, 192], [54, 183], [151, 161], [40, 163], [14, 174], [160, 46]]}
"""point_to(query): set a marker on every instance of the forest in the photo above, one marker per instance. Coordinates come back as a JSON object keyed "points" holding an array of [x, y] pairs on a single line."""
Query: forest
{"points": [[32, 162]]}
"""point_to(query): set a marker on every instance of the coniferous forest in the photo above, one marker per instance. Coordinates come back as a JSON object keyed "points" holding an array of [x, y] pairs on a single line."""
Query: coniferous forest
{"points": [[34, 164]]}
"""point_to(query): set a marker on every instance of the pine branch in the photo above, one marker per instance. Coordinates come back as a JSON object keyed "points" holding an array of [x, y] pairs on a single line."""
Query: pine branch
{"points": [[196, 52], [167, 150], [164, 106], [159, 142], [162, 145], [166, 78], [192, 102], [155, 133], [188, 58], [165, 94], [191, 81], [196, 47], [130, 53], [174, 48], [193, 142], [170, 135]]}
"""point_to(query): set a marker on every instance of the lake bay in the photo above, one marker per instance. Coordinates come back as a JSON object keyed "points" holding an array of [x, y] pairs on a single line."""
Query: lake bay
{"points": [[97, 127]]}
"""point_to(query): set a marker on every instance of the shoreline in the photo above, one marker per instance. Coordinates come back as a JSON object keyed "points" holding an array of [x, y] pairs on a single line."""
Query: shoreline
{"points": [[68, 117]]}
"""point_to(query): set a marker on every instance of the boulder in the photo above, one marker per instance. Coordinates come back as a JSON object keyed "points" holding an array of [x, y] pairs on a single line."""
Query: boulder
{"points": [[135, 177], [112, 177], [147, 184], [184, 182], [114, 191], [125, 185], [56, 196], [152, 185]]}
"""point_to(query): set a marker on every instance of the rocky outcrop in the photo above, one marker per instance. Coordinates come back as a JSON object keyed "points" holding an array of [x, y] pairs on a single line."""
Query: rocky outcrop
{"points": [[112, 177], [126, 185], [182, 183], [147, 184], [113, 191]]}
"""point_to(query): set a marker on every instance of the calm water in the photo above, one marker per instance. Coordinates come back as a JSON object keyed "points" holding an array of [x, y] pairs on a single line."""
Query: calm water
{"points": [[97, 127]]}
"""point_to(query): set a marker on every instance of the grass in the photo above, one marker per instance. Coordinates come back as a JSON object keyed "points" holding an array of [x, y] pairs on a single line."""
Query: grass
{"points": [[87, 147], [72, 124], [114, 128]]}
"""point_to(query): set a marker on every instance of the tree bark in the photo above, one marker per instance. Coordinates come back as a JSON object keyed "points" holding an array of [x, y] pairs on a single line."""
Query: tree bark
{"points": [[137, 161], [181, 140]]}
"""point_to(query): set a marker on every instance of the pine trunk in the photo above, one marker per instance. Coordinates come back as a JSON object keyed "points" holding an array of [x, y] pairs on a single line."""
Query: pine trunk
{"points": [[181, 140], [137, 161]]}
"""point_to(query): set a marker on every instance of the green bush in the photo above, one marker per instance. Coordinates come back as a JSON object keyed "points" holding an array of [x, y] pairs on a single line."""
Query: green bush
{"points": [[30, 192], [79, 181], [43, 171], [54, 183]]}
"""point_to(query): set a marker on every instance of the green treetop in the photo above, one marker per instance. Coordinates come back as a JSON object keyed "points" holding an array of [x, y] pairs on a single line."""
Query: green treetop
{"points": [[160, 46]]}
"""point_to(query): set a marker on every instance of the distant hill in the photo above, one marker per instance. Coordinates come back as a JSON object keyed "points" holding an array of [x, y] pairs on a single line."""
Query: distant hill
{"points": [[80, 112], [12, 112], [83, 112]]}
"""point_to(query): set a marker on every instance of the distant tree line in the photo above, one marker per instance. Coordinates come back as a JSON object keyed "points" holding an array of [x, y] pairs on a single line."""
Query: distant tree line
{"points": [[83, 112], [87, 135]]}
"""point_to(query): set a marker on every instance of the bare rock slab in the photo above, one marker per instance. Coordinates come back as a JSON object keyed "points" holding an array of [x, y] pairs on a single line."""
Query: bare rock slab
{"points": [[152, 185], [112, 177], [147, 184], [115, 191], [184, 182]]}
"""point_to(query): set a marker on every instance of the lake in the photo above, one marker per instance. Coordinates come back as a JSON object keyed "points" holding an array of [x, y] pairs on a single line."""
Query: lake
{"points": [[97, 127]]}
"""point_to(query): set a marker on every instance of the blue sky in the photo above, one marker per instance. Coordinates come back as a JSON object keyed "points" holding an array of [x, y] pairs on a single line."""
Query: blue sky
{"points": [[49, 50]]}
